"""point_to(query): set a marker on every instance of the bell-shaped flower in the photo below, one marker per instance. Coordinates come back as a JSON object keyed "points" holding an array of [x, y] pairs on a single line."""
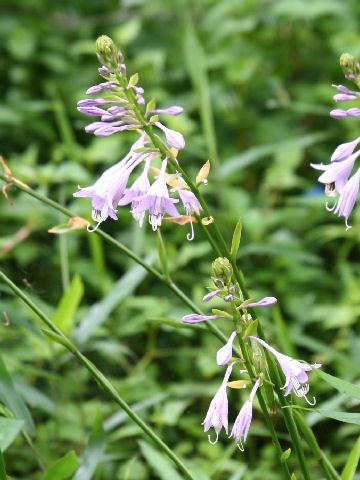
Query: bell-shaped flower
{"points": [[343, 151], [224, 353], [138, 189], [174, 138], [217, 415], [337, 172], [243, 420], [157, 201], [296, 377], [347, 198], [108, 189]]}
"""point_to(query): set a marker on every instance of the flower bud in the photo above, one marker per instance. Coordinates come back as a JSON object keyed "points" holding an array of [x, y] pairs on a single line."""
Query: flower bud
{"points": [[106, 50], [218, 283], [350, 67], [222, 269]]}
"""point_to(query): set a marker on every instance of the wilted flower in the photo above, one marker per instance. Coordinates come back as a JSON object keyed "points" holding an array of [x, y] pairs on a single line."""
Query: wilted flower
{"points": [[295, 372], [243, 420], [217, 415]]}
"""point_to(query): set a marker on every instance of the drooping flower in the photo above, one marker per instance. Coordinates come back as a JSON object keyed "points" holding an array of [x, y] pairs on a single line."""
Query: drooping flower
{"points": [[108, 189], [243, 420], [347, 198], [196, 318], [296, 377], [137, 190], [217, 415], [336, 172], [224, 353], [157, 200], [174, 138], [191, 204]]}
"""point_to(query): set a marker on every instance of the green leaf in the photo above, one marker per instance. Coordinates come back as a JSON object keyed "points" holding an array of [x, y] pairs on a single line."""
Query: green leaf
{"points": [[94, 451], [344, 387], [151, 105], [352, 462], [9, 429], [68, 305], [13, 401], [62, 468], [251, 329], [236, 240], [2, 467], [158, 462], [133, 80]]}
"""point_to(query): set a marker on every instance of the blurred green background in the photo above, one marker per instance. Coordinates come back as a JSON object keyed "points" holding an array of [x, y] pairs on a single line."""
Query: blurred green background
{"points": [[254, 78]]}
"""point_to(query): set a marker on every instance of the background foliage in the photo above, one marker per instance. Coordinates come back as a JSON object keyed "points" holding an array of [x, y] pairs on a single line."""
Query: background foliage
{"points": [[255, 80]]}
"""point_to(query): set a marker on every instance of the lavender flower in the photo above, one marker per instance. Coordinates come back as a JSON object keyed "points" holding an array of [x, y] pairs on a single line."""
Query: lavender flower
{"points": [[174, 110], [225, 353], [344, 150], [264, 302], [157, 201], [191, 204], [294, 371], [217, 415], [243, 420], [137, 190], [196, 318], [210, 295], [338, 173], [174, 138], [107, 191]]}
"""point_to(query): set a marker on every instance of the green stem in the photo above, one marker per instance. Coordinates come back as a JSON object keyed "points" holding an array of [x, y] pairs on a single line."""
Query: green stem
{"points": [[329, 471], [260, 397], [98, 376]]}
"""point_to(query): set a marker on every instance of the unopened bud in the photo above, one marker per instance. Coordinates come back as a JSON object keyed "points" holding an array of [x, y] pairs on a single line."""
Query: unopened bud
{"points": [[229, 298], [106, 50], [350, 67], [222, 269], [232, 289], [218, 283]]}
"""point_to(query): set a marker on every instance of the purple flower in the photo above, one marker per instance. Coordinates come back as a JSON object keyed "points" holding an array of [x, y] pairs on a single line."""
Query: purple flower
{"points": [[294, 371], [101, 86], [243, 420], [225, 353], [343, 151], [337, 172], [264, 302], [174, 138], [191, 204], [217, 415], [342, 89], [210, 295], [343, 97], [338, 113], [157, 201], [347, 198], [174, 110], [138, 189], [108, 189], [196, 318]]}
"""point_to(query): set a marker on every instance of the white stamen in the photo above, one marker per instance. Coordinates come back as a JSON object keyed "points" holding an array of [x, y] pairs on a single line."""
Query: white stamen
{"points": [[213, 443], [190, 236]]}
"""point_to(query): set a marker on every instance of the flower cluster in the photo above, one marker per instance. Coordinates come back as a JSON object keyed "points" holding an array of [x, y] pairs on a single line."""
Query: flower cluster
{"points": [[295, 371], [123, 107], [338, 176]]}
